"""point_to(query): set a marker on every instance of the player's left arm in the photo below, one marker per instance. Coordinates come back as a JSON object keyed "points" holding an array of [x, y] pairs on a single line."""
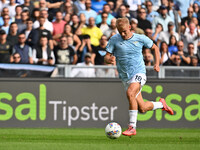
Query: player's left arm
{"points": [[157, 57]]}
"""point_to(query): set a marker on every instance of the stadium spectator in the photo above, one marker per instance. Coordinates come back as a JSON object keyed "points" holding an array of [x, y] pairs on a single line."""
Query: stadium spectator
{"points": [[122, 12], [80, 5], [143, 23], [12, 36], [176, 61], [64, 54], [148, 57], [5, 11], [3, 3], [68, 32], [58, 26], [165, 35], [183, 6], [69, 8], [89, 12], [196, 1], [16, 58], [112, 28], [158, 30], [134, 27], [28, 5], [23, 49], [70, 42], [128, 11], [6, 24], [156, 4], [194, 61], [82, 23], [106, 73], [112, 34], [185, 59], [118, 3], [84, 48], [112, 7], [190, 53], [97, 53], [47, 25], [18, 10], [195, 21], [149, 33], [165, 3], [172, 46], [94, 32], [106, 9], [67, 18], [29, 28], [75, 23], [191, 36], [186, 20], [11, 6], [196, 9], [133, 7], [163, 19], [174, 14], [84, 72], [21, 1], [97, 5], [5, 48], [103, 25], [151, 14], [54, 6], [22, 24], [35, 14], [36, 34], [172, 9], [164, 54], [43, 4], [42, 54]]}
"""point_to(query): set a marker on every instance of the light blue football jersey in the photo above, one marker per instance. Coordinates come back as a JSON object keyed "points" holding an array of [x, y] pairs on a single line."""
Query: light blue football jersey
{"points": [[128, 54]]}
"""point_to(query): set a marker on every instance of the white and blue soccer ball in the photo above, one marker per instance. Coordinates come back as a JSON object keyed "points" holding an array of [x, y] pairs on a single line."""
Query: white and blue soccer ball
{"points": [[113, 130]]}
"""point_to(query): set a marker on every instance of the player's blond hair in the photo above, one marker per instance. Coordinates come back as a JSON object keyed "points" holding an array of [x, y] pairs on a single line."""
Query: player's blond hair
{"points": [[122, 21]]}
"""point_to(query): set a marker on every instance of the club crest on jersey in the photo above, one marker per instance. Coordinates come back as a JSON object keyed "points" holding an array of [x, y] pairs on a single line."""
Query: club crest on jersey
{"points": [[135, 42]]}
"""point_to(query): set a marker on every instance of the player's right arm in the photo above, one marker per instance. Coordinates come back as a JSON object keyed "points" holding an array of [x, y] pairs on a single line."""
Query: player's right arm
{"points": [[109, 58]]}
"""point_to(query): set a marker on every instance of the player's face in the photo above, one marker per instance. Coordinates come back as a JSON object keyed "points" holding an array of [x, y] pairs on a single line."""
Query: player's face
{"points": [[124, 31]]}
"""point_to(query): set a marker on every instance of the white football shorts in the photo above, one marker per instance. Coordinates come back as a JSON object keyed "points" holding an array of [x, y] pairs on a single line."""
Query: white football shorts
{"points": [[139, 77]]}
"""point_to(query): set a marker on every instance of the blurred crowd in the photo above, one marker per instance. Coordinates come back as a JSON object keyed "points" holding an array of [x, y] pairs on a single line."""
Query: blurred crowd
{"points": [[50, 32]]}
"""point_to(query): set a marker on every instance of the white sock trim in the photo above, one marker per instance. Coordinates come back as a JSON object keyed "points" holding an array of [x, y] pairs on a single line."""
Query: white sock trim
{"points": [[157, 105], [133, 117]]}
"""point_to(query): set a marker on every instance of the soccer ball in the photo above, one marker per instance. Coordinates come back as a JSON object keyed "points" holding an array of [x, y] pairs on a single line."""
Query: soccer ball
{"points": [[113, 130]]}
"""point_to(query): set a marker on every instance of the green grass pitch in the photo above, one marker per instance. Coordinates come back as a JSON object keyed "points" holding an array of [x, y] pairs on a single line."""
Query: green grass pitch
{"points": [[95, 139]]}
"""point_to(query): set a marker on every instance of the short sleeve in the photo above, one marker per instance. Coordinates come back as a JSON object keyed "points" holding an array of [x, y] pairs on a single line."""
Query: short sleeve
{"points": [[50, 36], [148, 43], [83, 30], [30, 52], [110, 45]]}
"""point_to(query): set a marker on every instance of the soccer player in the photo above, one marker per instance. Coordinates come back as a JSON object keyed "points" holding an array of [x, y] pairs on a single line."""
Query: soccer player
{"points": [[126, 49]]}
